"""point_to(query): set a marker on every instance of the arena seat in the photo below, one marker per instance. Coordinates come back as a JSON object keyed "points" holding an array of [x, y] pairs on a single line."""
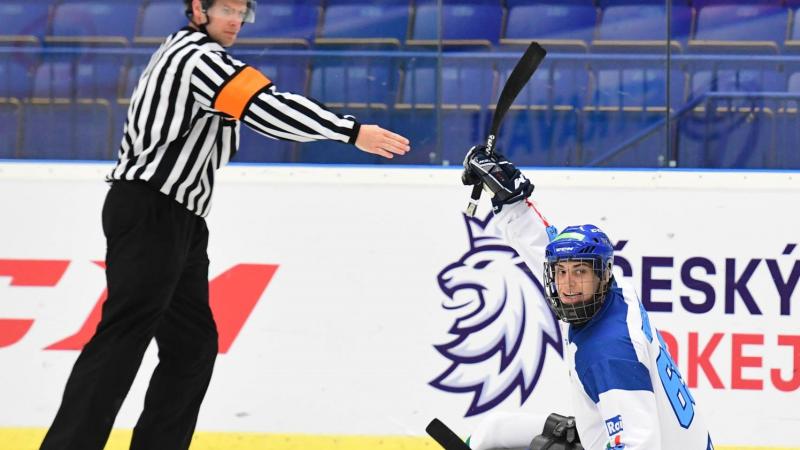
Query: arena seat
{"points": [[289, 74], [15, 79], [94, 22], [160, 18], [542, 125], [625, 102], [787, 134], [358, 84], [716, 136], [551, 85], [466, 24], [10, 115], [741, 26], [792, 43], [23, 21], [256, 148], [642, 87], [464, 87], [750, 80], [76, 129], [641, 26], [77, 79], [567, 25], [359, 23], [282, 24]]}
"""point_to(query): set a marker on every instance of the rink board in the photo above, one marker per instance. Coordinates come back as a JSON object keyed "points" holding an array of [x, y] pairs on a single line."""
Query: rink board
{"points": [[327, 278]]}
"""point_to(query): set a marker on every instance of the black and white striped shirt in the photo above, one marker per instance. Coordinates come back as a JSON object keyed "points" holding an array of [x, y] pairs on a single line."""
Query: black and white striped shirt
{"points": [[183, 119]]}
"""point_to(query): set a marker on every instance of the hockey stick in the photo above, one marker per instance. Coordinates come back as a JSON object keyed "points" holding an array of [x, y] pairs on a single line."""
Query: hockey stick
{"points": [[445, 436], [522, 72]]}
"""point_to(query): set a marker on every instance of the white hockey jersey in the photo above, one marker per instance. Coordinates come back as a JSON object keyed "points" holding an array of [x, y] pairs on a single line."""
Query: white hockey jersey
{"points": [[627, 392]]}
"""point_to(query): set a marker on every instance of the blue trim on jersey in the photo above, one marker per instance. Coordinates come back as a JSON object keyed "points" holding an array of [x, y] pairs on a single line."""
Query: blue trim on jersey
{"points": [[605, 358], [645, 323]]}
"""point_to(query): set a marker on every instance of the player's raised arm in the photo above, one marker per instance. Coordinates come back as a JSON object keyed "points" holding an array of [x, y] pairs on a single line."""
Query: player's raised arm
{"points": [[520, 223]]}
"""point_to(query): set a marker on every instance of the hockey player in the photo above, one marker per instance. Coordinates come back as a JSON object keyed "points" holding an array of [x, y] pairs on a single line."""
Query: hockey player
{"points": [[627, 392]]}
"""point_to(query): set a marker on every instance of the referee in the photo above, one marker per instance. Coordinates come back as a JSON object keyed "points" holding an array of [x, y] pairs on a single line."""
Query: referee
{"points": [[182, 124]]}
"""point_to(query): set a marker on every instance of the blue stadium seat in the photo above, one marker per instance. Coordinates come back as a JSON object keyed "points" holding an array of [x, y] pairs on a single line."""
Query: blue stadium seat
{"points": [[793, 83], [289, 74], [130, 79], [792, 43], [466, 24], [463, 86], [716, 136], [160, 18], [282, 23], [53, 79], [359, 23], [607, 128], [627, 101], [638, 87], [357, 84], [77, 79], [75, 130], [256, 148], [559, 25], [640, 25], [748, 26], [466, 86], [541, 127], [15, 79], [94, 22], [787, 132], [364, 87], [119, 107], [737, 80], [540, 136], [23, 21], [551, 85], [10, 132]]}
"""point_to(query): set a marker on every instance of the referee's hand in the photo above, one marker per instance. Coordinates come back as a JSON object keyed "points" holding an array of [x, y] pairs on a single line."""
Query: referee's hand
{"points": [[374, 139]]}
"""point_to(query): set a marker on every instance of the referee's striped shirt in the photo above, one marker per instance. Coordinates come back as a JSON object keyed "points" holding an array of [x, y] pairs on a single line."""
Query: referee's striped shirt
{"points": [[183, 119]]}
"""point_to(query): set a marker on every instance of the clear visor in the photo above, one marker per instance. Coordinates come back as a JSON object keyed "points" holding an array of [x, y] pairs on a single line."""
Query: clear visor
{"points": [[241, 11]]}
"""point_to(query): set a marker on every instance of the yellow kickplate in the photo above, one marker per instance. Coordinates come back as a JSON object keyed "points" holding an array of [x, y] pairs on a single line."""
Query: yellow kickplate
{"points": [[30, 438]]}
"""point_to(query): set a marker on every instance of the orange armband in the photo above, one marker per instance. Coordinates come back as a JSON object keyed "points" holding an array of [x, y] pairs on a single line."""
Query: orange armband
{"points": [[237, 92]]}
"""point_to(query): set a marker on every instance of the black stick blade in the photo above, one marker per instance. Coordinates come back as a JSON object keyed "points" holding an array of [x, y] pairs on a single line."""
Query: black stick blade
{"points": [[445, 436], [519, 77], [517, 80]]}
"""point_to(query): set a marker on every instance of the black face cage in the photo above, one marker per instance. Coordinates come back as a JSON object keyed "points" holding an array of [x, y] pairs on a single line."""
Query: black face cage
{"points": [[575, 313]]}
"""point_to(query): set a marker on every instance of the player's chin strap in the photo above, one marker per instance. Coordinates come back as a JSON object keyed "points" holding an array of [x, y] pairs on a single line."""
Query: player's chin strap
{"points": [[559, 433]]}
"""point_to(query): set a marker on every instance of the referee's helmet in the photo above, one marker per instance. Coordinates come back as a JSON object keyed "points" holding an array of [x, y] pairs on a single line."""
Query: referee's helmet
{"points": [[249, 16]]}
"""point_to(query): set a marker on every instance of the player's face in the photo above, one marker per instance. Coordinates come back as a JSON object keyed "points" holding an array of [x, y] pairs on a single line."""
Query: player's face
{"points": [[575, 281], [225, 19]]}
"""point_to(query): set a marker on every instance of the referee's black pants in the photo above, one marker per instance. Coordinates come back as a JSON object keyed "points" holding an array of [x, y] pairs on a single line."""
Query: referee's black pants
{"points": [[157, 274]]}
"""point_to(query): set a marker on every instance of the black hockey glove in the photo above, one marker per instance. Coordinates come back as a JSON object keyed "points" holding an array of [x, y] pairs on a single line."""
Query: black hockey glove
{"points": [[497, 174], [559, 433]]}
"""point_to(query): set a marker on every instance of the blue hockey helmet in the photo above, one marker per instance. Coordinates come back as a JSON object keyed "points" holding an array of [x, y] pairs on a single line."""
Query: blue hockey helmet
{"points": [[586, 244]]}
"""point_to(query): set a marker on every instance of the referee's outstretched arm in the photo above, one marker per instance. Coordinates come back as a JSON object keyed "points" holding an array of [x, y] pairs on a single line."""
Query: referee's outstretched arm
{"points": [[242, 92]]}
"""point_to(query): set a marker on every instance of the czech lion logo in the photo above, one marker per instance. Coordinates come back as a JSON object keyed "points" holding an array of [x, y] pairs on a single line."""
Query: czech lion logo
{"points": [[502, 322]]}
